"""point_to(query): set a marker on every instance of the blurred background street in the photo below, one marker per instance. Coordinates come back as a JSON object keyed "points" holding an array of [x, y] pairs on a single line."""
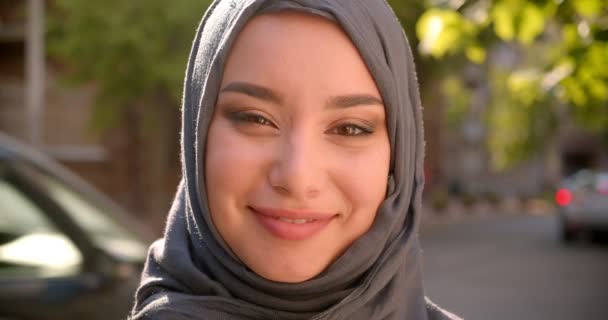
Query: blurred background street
{"points": [[512, 266], [515, 96]]}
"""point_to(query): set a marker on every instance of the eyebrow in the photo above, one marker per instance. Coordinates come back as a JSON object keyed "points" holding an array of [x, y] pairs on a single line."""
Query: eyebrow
{"points": [[263, 93], [353, 100], [254, 91]]}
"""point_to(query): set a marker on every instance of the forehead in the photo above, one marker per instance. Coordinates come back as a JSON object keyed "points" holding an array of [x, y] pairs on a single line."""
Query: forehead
{"points": [[297, 52]]}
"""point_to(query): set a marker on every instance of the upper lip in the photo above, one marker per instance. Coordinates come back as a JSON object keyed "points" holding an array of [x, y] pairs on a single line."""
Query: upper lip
{"points": [[292, 214]]}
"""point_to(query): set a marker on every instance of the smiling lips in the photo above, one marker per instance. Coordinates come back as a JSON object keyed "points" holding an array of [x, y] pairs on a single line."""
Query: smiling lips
{"points": [[291, 224]]}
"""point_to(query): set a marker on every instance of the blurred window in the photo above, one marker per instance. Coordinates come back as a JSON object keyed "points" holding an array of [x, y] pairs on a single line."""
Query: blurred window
{"points": [[601, 184], [584, 180], [29, 243], [95, 221]]}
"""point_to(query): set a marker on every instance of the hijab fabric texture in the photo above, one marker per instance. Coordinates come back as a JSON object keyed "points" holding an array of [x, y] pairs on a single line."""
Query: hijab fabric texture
{"points": [[192, 274]]}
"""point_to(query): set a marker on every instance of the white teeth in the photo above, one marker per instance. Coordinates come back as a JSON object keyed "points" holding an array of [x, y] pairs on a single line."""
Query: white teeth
{"points": [[295, 221]]}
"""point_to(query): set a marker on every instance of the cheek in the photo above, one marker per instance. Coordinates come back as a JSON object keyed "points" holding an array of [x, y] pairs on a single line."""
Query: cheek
{"points": [[229, 164], [363, 181], [218, 161]]}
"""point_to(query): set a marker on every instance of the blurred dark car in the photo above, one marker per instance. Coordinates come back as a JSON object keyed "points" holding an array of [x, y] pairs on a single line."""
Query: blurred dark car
{"points": [[66, 251], [583, 204]]}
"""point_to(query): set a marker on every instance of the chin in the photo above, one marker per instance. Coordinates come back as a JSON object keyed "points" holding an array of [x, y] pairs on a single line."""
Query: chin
{"points": [[290, 276], [290, 271]]}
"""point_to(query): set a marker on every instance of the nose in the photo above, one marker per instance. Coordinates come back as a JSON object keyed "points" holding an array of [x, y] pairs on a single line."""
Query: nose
{"points": [[296, 170]]}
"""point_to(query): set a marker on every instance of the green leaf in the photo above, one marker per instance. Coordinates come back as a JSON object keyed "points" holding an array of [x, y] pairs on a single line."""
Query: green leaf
{"points": [[588, 8], [532, 23], [574, 91], [442, 31], [570, 36], [459, 100], [524, 86], [476, 53], [504, 14]]}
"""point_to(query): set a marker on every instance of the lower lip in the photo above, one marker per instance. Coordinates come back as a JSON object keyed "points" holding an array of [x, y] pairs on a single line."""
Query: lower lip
{"points": [[291, 231]]}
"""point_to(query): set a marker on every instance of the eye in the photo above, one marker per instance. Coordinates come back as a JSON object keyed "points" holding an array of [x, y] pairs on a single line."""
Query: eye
{"points": [[351, 129], [251, 117]]}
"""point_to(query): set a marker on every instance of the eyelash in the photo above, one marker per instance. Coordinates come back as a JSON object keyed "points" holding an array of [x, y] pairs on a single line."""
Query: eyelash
{"points": [[252, 117], [260, 120], [359, 130]]}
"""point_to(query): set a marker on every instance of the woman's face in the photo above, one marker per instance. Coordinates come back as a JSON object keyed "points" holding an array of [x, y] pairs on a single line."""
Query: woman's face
{"points": [[297, 154]]}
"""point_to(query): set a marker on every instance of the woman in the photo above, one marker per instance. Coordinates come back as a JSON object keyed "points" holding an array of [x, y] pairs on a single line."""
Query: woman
{"points": [[302, 159]]}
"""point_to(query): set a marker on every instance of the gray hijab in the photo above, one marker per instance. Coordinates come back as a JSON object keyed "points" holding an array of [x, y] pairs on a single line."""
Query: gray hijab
{"points": [[192, 274]]}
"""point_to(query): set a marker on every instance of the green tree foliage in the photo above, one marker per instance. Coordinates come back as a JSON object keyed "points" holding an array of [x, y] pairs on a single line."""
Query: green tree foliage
{"points": [[556, 59], [133, 51], [136, 51]]}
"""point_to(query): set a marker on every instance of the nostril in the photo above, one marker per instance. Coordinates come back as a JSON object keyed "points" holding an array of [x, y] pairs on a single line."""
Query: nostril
{"points": [[281, 189], [312, 193]]}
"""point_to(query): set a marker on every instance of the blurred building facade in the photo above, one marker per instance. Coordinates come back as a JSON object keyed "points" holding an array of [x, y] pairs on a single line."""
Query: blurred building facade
{"points": [[37, 108], [468, 171]]}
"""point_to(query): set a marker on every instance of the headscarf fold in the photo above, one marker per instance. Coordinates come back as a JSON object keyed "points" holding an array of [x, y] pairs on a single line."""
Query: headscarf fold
{"points": [[191, 273]]}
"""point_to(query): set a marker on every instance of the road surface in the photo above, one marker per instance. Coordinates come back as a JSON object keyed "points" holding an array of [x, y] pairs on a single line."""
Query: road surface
{"points": [[514, 267]]}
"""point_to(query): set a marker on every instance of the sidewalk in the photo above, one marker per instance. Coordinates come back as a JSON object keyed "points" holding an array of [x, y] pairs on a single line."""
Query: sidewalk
{"points": [[456, 211]]}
